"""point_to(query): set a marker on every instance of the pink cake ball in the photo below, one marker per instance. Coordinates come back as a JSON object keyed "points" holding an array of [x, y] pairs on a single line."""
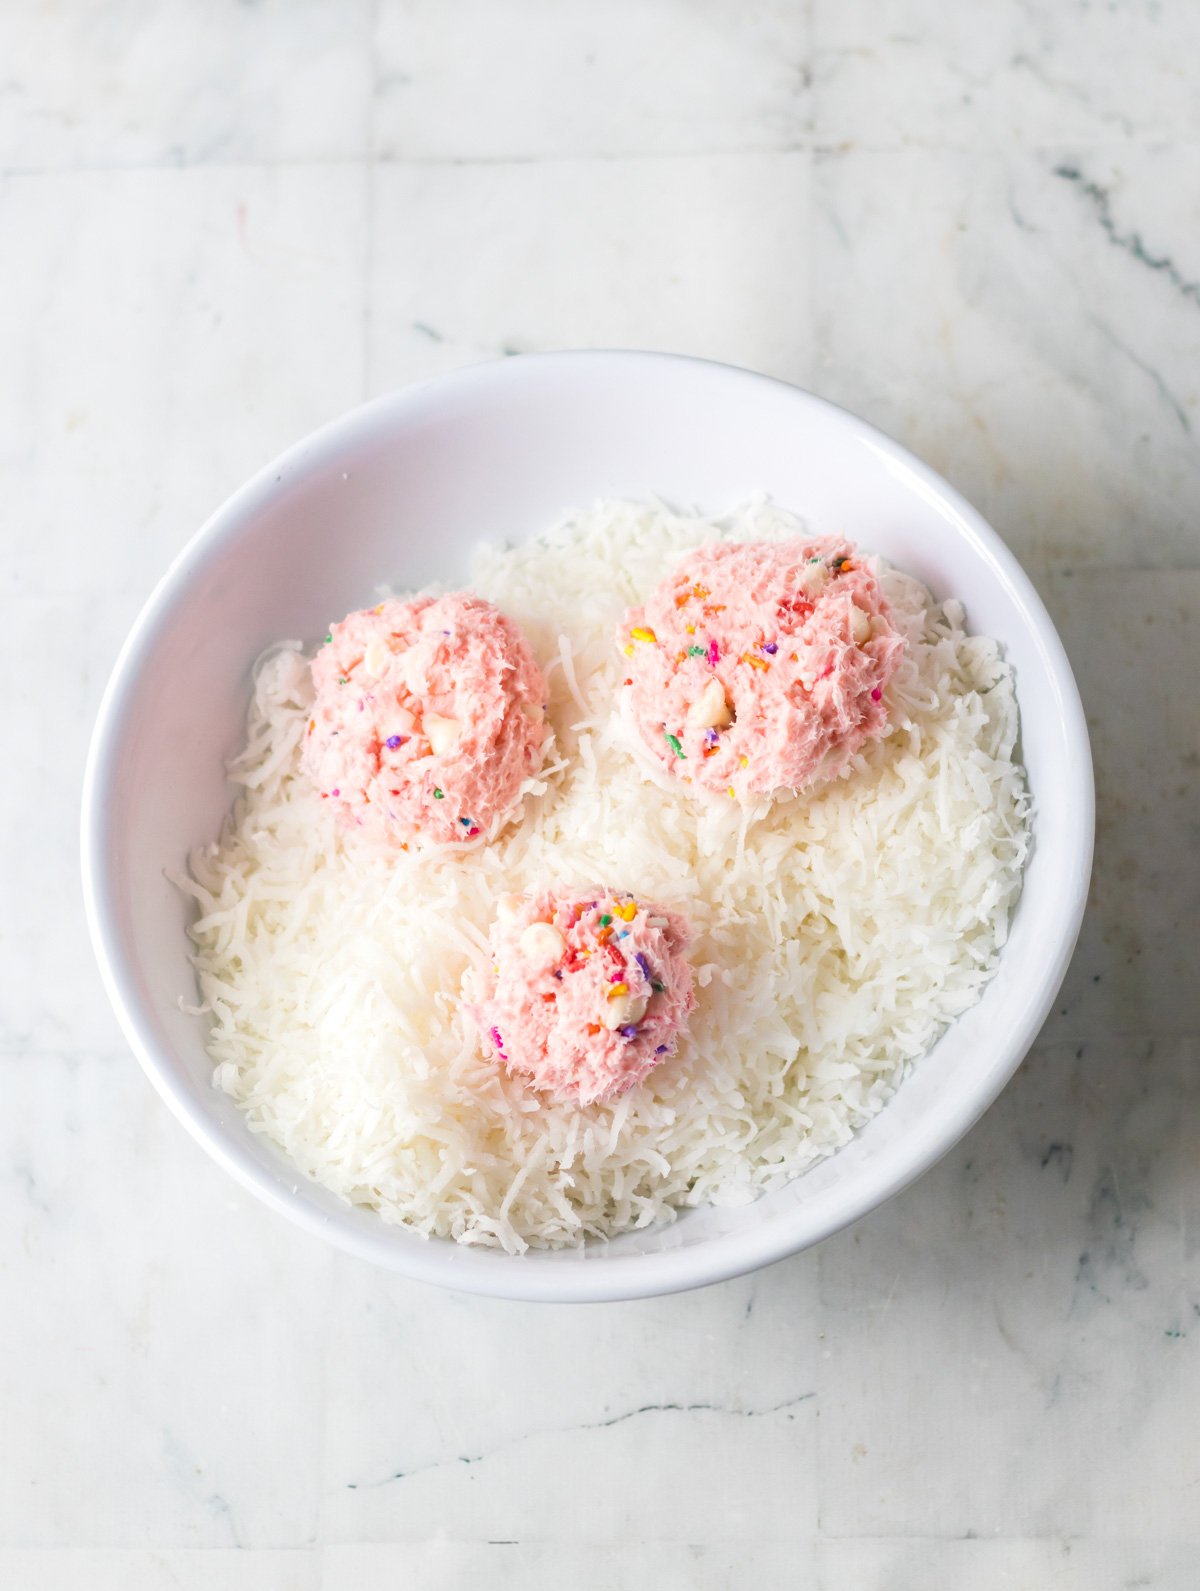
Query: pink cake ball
{"points": [[428, 716], [761, 666], [590, 990]]}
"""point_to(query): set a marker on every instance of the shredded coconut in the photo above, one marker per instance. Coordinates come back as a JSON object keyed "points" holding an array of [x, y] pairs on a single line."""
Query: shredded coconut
{"points": [[836, 934]]}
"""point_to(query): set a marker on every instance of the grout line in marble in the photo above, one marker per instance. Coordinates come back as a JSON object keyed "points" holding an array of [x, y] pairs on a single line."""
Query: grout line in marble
{"points": [[389, 158], [816, 149], [809, 71], [370, 205], [321, 1483]]}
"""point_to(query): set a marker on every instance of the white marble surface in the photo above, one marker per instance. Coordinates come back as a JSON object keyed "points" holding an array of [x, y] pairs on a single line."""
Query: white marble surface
{"points": [[221, 224]]}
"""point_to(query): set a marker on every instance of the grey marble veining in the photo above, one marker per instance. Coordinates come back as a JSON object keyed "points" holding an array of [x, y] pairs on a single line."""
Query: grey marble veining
{"points": [[222, 225]]}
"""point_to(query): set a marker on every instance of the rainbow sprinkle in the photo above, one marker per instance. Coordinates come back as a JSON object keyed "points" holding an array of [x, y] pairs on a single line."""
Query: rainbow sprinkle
{"points": [[437, 794], [697, 651], [673, 742], [640, 633], [393, 741]]}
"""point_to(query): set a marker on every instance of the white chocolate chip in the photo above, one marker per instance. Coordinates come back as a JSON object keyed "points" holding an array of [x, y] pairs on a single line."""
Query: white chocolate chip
{"points": [[542, 943], [412, 670], [376, 657], [508, 906], [441, 733], [710, 710], [624, 1011], [815, 578], [860, 626]]}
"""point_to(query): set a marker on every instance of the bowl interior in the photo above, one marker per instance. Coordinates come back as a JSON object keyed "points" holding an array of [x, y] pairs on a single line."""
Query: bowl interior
{"points": [[399, 492]]}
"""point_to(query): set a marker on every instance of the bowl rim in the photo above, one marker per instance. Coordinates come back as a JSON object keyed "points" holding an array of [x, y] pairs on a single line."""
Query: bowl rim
{"points": [[482, 1271]]}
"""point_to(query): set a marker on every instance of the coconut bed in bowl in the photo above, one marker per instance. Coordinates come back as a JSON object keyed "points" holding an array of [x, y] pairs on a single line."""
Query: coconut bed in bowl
{"points": [[641, 452]]}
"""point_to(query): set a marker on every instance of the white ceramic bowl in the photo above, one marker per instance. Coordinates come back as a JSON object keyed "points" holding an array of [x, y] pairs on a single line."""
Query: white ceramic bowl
{"points": [[398, 491]]}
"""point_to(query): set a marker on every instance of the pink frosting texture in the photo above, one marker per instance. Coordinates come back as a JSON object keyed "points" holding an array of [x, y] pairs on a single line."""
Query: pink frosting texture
{"points": [[761, 666], [428, 716], [589, 991]]}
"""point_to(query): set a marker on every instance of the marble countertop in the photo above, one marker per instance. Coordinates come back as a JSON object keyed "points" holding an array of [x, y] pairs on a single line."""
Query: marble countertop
{"points": [[977, 226]]}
